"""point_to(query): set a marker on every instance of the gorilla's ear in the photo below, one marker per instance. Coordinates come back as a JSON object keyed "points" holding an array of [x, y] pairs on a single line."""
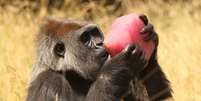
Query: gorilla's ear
{"points": [[58, 27]]}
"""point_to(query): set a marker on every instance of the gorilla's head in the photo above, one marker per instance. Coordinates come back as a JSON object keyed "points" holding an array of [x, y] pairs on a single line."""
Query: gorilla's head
{"points": [[64, 45]]}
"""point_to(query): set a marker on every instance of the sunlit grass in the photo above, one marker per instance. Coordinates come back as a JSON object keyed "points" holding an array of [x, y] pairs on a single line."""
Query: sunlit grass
{"points": [[179, 30]]}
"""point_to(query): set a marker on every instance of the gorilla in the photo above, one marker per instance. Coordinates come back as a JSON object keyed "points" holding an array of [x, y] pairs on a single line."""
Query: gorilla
{"points": [[72, 64]]}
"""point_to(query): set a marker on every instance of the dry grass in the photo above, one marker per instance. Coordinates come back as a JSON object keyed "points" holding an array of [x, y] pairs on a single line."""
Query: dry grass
{"points": [[178, 25]]}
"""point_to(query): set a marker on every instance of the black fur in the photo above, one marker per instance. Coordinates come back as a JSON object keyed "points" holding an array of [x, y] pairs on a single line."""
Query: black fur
{"points": [[151, 84]]}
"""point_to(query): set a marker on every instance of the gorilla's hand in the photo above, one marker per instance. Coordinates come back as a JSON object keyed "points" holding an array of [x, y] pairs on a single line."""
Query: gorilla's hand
{"points": [[120, 69], [148, 33], [129, 61]]}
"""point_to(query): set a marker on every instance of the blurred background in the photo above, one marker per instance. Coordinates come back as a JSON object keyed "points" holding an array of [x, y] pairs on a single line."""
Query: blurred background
{"points": [[178, 23]]}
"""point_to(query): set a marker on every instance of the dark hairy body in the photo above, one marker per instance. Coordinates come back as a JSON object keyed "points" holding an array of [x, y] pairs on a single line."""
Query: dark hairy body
{"points": [[72, 65], [150, 84]]}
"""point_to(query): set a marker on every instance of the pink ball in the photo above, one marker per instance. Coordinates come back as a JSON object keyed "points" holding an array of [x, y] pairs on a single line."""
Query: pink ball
{"points": [[126, 30]]}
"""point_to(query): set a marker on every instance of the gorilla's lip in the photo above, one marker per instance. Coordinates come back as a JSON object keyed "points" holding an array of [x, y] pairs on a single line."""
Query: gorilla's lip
{"points": [[103, 55]]}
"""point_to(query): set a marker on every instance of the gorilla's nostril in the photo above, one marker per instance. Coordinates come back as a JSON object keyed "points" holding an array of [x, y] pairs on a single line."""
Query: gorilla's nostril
{"points": [[99, 44]]}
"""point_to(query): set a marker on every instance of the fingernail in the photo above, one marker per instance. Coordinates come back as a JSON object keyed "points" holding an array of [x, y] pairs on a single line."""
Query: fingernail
{"points": [[144, 19]]}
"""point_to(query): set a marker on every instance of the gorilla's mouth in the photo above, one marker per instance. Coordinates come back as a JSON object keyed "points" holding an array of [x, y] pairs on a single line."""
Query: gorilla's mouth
{"points": [[103, 55]]}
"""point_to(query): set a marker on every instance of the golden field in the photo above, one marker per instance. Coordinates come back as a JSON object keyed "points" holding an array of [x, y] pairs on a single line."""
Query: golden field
{"points": [[178, 24]]}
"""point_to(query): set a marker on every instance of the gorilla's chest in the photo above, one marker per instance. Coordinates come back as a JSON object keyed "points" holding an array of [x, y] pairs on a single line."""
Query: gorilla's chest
{"points": [[79, 85]]}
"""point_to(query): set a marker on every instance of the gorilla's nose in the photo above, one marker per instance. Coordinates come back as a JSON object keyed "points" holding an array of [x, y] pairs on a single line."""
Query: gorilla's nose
{"points": [[92, 34]]}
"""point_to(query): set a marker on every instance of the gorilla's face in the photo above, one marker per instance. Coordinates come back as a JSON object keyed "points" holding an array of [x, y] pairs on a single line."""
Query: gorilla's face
{"points": [[86, 51], [71, 45]]}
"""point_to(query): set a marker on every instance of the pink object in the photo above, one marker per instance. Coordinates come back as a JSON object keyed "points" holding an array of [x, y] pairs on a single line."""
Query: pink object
{"points": [[125, 30]]}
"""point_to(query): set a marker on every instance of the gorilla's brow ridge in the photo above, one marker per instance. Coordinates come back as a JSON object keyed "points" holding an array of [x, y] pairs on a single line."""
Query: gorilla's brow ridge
{"points": [[59, 28]]}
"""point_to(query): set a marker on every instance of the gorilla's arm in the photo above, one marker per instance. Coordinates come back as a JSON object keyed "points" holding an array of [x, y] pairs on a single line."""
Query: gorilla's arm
{"points": [[152, 77], [109, 87], [50, 86], [114, 79], [155, 81]]}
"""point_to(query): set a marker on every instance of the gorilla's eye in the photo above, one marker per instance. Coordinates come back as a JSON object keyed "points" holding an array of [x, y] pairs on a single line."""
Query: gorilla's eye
{"points": [[59, 49]]}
